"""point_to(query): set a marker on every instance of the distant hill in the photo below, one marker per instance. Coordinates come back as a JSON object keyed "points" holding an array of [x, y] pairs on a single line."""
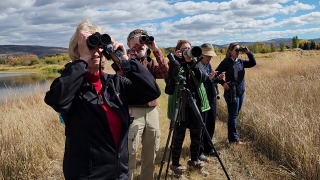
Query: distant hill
{"points": [[40, 51], [276, 42]]}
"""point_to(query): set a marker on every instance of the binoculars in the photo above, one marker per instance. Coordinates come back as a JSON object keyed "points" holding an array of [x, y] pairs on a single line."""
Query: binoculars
{"points": [[98, 39], [146, 39], [241, 49]]}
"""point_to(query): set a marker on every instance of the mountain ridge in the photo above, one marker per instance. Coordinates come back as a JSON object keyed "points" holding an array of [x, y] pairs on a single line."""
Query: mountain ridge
{"points": [[276, 42], [40, 51]]}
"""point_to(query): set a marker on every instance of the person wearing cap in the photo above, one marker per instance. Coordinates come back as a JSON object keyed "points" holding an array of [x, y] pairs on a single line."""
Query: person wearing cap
{"points": [[211, 89], [145, 125]]}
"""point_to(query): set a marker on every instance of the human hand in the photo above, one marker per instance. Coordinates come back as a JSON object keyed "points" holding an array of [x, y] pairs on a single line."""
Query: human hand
{"points": [[118, 45], [226, 86], [246, 49], [84, 51], [212, 74], [187, 58], [178, 53], [153, 46], [221, 76]]}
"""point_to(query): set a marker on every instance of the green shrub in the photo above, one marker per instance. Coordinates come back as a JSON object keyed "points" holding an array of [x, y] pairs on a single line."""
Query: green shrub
{"points": [[50, 70]]}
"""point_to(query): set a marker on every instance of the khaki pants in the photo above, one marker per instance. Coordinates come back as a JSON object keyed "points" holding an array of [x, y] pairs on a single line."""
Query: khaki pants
{"points": [[145, 126]]}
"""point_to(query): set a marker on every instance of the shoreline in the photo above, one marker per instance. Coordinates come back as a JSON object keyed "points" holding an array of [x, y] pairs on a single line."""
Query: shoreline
{"points": [[17, 72]]}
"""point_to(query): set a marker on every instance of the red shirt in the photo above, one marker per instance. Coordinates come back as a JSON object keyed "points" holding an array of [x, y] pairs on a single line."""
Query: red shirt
{"points": [[112, 116]]}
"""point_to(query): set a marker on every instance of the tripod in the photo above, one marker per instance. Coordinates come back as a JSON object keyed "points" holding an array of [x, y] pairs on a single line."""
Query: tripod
{"points": [[179, 108]]}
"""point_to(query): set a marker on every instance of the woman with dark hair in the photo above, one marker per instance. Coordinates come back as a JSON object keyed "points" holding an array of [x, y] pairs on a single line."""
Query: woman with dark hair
{"points": [[234, 85], [94, 106]]}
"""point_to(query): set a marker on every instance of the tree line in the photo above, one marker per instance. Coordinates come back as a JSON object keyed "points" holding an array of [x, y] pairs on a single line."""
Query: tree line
{"points": [[31, 59], [256, 47]]}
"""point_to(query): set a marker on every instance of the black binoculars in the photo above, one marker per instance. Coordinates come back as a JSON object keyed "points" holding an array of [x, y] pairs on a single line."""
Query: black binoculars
{"points": [[241, 49], [98, 39], [146, 39]]}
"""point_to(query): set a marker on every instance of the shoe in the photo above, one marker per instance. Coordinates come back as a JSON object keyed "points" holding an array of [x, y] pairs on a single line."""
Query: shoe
{"points": [[213, 153], [204, 158], [178, 170], [197, 165], [238, 142], [193, 165]]}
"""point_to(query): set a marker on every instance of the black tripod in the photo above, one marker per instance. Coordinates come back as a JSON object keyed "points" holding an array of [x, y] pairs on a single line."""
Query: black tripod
{"points": [[183, 95]]}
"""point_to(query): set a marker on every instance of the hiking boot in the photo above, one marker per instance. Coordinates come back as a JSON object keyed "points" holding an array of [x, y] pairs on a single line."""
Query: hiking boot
{"points": [[197, 165], [178, 170], [213, 153], [204, 158], [193, 165]]}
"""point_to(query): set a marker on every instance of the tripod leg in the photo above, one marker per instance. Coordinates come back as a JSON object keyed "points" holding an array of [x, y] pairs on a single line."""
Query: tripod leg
{"points": [[172, 127], [199, 117]]}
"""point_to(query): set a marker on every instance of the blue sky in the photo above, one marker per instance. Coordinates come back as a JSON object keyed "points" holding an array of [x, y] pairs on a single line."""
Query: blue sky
{"points": [[53, 22]]}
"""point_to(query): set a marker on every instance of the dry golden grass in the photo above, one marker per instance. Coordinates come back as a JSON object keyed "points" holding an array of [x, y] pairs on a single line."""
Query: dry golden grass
{"points": [[31, 139], [279, 120]]}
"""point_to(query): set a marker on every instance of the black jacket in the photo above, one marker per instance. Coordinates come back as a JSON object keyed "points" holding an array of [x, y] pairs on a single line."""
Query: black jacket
{"points": [[198, 71], [90, 150]]}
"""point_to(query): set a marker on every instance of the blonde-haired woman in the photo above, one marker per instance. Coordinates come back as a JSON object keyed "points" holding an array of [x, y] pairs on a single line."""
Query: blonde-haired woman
{"points": [[95, 108]]}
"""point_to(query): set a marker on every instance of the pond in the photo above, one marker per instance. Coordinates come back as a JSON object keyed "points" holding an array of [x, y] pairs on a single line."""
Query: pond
{"points": [[14, 85]]}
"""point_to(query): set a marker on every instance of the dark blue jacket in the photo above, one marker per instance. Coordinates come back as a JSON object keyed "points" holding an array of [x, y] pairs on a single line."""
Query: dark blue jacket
{"points": [[90, 150], [226, 65]]}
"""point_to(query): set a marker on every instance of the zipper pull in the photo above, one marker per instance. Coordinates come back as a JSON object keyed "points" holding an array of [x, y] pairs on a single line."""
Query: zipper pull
{"points": [[100, 99]]}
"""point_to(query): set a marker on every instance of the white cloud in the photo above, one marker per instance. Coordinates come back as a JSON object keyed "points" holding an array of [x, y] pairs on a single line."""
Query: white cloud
{"points": [[294, 8], [52, 22], [311, 18]]}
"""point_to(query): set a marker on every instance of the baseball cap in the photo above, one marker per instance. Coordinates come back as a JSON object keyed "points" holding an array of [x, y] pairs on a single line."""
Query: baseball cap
{"points": [[135, 33]]}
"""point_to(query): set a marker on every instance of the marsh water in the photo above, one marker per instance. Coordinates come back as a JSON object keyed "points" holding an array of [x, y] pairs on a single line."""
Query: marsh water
{"points": [[13, 85]]}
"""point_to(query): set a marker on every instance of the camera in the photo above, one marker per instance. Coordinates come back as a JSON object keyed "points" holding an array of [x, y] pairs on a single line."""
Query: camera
{"points": [[193, 52], [146, 39], [98, 39], [241, 49], [233, 92], [125, 65]]}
